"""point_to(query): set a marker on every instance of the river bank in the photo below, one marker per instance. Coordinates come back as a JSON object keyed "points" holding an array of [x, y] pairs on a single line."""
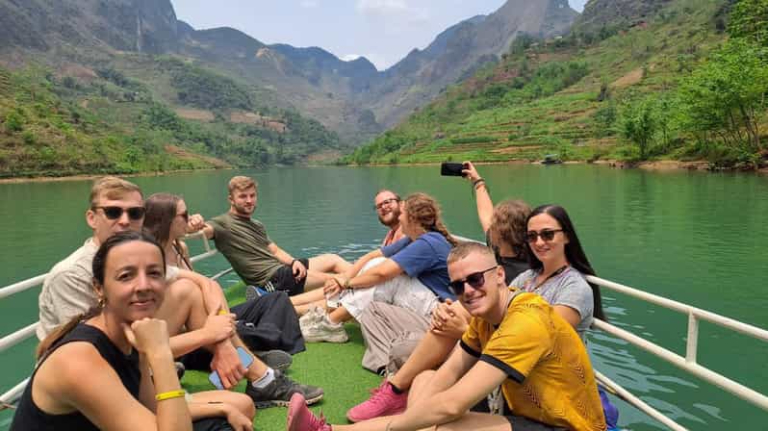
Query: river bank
{"points": [[81, 177]]}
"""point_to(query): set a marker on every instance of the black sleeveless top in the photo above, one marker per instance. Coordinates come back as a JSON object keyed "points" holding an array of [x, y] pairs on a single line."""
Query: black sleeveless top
{"points": [[29, 417]]}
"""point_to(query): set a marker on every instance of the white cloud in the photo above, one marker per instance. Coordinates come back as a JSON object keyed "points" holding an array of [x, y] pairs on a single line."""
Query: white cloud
{"points": [[350, 57], [399, 10], [308, 4]]}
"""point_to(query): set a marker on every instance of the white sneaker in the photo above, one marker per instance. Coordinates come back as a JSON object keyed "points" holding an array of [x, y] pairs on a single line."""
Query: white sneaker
{"points": [[325, 330], [314, 314]]}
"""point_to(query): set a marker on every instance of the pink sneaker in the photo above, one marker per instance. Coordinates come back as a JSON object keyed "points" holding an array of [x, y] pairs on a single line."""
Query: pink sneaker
{"points": [[383, 402], [300, 418]]}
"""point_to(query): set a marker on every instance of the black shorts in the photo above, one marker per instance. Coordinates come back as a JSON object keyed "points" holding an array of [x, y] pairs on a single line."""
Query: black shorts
{"points": [[211, 424], [521, 423], [284, 280]]}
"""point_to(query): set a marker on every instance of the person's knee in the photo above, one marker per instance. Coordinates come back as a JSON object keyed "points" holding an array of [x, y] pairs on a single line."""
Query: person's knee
{"points": [[244, 403], [423, 379], [182, 290]]}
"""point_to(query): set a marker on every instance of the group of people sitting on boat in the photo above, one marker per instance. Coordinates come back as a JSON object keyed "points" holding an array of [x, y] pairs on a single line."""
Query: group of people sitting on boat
{"points": [[447, 323]]}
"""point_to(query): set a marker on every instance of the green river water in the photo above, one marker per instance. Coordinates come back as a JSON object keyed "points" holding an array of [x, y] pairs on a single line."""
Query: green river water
{"points": [[693, 237]]}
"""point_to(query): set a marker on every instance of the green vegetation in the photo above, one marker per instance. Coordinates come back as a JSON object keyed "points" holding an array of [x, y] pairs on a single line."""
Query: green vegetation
{"points": [[672, 86], [124, 121]]}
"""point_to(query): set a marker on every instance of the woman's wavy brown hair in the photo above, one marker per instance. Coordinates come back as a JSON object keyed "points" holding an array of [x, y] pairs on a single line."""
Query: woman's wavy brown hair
{"points": [[423, 210], [508, 226]]}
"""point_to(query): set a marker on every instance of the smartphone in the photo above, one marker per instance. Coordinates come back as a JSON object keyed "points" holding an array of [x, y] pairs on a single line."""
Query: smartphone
{"points": [[245, 358], [451, 169]]}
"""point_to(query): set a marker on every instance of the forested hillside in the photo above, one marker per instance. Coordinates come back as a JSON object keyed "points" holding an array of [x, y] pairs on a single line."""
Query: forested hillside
{"points": [[153, 114], [681, 79]]}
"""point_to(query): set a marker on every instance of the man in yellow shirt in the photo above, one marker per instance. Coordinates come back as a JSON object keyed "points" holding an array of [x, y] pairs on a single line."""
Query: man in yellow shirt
{"points": [[515, 340]]}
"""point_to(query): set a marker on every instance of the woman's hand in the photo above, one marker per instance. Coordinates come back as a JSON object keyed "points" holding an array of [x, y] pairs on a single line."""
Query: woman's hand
{"points": [[219, 327], [470, 173], [238, 420], [333, 286], [148, 335]]}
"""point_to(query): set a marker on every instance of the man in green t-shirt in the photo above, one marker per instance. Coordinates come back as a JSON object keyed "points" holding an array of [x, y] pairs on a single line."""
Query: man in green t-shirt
{"points": [[255, 257]]}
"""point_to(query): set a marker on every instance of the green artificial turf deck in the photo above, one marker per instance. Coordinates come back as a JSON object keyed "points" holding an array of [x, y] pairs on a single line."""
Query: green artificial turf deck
{"points": [[334, 367]]}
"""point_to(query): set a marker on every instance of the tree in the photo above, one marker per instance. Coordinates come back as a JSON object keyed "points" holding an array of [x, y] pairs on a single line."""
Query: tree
{"points": [[638, 125], [749, 20], [725, 96]]}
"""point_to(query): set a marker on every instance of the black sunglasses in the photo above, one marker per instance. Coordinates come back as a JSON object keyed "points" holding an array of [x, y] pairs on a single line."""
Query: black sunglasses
{"points": [[381, 204], [546, 235], [476, 280], [114, 213]]}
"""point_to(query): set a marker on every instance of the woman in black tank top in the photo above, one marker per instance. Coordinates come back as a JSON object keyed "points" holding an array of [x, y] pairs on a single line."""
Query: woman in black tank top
{"points": [[94, 372]]}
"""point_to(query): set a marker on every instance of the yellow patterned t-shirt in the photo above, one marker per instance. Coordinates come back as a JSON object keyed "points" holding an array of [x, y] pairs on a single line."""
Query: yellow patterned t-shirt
{"points": [[550, 377]]}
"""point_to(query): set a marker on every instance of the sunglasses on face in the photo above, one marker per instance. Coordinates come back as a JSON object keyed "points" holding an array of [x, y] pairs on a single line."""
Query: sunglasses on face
{"points": [[184, 215], [384, 203], [114, 213], [476, 280], [546, 235]]}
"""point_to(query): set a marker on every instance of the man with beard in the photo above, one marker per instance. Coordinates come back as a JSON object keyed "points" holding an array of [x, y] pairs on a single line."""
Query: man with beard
{"points": [[255, 257], [387, 206]]}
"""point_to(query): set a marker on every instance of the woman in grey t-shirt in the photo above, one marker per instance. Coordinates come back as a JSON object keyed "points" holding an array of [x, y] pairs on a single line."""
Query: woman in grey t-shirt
{"points": [[558, 267]]}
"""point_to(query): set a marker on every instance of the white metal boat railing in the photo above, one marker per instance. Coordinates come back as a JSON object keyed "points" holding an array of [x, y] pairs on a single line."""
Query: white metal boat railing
{"points": [[687, 363]]}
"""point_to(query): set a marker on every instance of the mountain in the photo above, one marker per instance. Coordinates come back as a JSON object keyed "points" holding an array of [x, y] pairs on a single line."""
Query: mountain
{"points": [[460, 50], [137, 51], [632, 81], [605, 13]]}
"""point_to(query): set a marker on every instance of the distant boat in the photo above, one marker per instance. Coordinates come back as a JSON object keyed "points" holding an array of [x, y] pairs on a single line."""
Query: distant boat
{"points": [[551, 159]]}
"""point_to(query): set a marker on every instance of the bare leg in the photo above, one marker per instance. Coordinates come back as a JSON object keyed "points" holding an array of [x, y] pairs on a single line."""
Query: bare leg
{"points": [[329, 263], [308, 297], [182, 307], [304, 309], [241, 401], [339, 315], [316, 279], [432, 351]]}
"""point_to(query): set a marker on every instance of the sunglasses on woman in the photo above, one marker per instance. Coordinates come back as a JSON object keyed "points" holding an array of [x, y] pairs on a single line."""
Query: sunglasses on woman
{"points": [[114, 213], [546, 235], [476, 280]]}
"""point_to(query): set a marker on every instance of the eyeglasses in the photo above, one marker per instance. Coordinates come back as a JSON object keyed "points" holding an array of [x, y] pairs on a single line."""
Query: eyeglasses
{"points": [[184, 215], [476, 280], [384, 203], [114, 213], [546, 235]]}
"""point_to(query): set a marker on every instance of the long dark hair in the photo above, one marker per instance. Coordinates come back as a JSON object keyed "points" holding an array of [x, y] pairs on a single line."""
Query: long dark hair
{"points": [[98, 265], [573, 251], [161, 211]]}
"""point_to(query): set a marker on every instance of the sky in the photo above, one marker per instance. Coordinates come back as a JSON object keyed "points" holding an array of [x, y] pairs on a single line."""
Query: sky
{"points": [[383, 31]]}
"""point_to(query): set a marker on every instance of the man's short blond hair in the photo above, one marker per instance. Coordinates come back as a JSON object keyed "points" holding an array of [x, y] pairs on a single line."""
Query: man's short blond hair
{"points": [[112, 188], [464, 249], [240, 183]]}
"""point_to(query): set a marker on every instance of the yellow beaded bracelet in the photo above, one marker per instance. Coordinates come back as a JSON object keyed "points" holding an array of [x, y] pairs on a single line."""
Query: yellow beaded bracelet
{"points": [[170, 394]]}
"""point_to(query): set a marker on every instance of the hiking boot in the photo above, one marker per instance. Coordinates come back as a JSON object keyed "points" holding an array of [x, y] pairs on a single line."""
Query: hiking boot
{"points": [[314, 314], [383, 402], [275, 359], [300, 418], [325, 330], [279, 391]]}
